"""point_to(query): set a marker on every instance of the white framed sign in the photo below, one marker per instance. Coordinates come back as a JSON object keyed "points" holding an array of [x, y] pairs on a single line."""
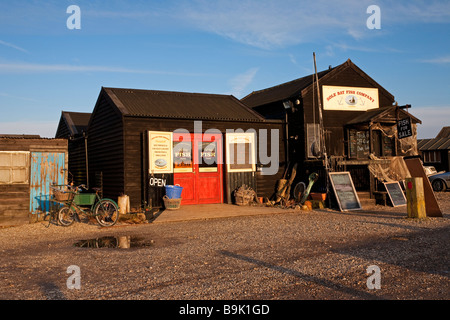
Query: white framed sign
{"points": [[160, 147], [350, 98], [241, 152]]}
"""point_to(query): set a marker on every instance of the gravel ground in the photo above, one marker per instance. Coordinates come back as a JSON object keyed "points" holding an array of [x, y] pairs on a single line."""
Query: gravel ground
{"points": [[313, 255]]}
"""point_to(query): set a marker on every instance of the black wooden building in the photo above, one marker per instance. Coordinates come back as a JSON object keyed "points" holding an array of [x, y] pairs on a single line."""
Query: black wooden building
{"points": [[359, 122], [125, 123], [73, 127], [436, 151]]}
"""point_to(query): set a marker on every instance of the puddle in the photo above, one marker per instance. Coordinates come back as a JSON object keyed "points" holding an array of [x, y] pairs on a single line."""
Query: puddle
{"points": [[121, 242]]}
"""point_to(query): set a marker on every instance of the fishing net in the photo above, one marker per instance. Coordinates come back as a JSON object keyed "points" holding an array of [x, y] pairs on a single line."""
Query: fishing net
{"points": [[389, 171]]}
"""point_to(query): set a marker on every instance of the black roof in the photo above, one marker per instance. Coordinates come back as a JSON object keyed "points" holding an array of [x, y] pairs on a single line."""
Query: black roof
{"points": [[182, 105], [293, 89], [441, 142], [283, 91], [383, 114], [75, 122]]}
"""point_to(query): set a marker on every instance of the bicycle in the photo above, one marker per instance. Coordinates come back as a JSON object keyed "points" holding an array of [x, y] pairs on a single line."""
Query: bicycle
{"points": [[105, 211]]}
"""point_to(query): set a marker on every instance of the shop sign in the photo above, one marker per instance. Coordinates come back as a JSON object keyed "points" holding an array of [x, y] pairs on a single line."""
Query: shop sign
{"points": [[157, 182], [404, 129], [349, 98], [160, 152]]}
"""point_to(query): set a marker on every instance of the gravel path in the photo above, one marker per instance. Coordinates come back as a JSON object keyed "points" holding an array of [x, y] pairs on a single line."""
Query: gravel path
{"points": [[320, 254]]}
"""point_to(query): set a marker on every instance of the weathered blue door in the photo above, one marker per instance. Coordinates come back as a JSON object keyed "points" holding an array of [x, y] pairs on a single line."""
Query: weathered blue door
{"points": [[46, 169]]}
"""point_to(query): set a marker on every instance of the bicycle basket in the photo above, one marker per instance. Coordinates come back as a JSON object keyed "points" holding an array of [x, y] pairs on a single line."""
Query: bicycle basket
{"points": [[62, 194]]}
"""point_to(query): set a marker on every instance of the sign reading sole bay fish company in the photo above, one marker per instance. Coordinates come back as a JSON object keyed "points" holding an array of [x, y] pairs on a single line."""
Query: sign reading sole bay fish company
{"points": [[349, 98]]}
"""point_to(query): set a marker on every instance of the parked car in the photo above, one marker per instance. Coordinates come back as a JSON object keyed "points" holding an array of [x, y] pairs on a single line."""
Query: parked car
{"points": [[429, 170], [440, 181]]}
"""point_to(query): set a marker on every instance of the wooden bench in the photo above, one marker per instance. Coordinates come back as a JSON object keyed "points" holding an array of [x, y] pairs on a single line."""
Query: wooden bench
{"points": [[381, 198]]}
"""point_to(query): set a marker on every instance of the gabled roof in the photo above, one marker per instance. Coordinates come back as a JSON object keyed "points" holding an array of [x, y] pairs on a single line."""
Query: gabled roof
{"points": [[280, 92], [434, 144], [444, 133], [384, 114], [441, 142], [295, 88], [75, 122], [181, 105]]}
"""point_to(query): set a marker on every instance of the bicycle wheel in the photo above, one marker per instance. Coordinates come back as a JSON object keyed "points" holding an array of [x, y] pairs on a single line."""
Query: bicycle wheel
{"points": [[106, 213], [66, 216]]}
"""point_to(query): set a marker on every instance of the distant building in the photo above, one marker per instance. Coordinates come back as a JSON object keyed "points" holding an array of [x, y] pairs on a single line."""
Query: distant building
{"points": [[73, 127], [29, 165], [436, 152]]}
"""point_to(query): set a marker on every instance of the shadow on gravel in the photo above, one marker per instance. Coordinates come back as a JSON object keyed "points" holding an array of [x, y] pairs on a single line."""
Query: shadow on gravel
{"points": [[305, 277], [424, 251], [51, 291]]}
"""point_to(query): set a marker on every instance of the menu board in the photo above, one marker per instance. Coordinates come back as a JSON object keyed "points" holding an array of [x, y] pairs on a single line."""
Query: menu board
{"points": [[359, 144], [160, 152], [395, 193], [344, 190]]}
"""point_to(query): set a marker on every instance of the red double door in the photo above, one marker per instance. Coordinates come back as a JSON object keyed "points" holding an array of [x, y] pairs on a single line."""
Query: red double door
{"points": [[198, 167]]}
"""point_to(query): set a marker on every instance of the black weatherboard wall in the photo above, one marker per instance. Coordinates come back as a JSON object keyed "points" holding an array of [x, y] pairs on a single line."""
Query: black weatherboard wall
{"points": [[73, 127], [117, 135]]}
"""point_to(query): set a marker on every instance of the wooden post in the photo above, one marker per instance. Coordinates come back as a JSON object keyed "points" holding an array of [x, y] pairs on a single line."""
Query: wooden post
{"points": [[415, 197]]}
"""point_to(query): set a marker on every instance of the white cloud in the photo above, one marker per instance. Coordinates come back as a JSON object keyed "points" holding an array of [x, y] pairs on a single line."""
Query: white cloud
{"points": [[241, 81], [268, 24], [272, 24], [438, 60], [3, 94], [416, 11], [50, 68], [10, 45]]}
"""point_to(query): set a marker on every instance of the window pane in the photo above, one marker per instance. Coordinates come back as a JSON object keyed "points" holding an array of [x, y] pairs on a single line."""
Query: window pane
{"points": [[207, 156], [19, 175], [5, 159], [241, 156], [182, 156], [5, 176], [19, 159]]}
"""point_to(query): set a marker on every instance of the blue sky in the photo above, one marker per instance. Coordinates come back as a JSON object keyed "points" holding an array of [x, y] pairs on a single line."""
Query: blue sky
{"points": [[225, 47]]}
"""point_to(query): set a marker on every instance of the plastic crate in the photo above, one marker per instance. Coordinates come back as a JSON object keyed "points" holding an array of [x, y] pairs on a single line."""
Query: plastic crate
{"points": [[84, 199]]}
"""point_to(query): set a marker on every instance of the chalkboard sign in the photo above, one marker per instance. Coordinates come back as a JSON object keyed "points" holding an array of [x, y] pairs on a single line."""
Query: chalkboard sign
{"points": [[344, 190], [395, 194]]}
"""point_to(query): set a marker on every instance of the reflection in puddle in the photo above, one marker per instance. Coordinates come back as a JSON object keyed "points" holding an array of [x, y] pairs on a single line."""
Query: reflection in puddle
{"points": [[122, 242]]}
